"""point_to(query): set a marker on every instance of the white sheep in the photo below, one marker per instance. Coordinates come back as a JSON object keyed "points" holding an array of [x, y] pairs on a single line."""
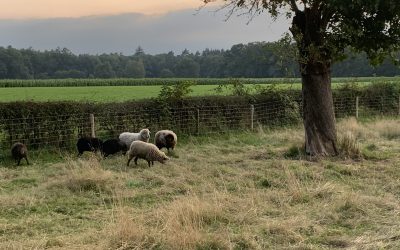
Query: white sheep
{"points": [[127, 138], [165, 139], [147, 151]]}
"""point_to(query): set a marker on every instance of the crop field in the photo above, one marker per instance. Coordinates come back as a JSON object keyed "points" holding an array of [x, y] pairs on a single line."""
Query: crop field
{"points": [[11, 83], [117, 90], [233, 191]]}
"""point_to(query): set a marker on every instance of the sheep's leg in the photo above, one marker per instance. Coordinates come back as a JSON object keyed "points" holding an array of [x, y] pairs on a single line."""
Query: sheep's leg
{"points": [[148, 162], [136, 160], [27, 162], [152, 163], [19, 161], [129, 160]]}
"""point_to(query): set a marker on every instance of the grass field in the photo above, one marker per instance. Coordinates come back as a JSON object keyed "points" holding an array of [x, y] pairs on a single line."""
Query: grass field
{"points": [[77, 89], [106, 93], [100, 93], [94, 93], [233, 191]]}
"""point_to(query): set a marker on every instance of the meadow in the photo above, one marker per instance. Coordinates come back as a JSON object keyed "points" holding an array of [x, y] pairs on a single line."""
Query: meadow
{"points": [[244, 190], [92, 93], [119, 90]]}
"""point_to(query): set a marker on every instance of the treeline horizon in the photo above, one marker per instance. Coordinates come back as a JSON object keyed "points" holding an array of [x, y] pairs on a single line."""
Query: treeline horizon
{"points": [[252, 60]]}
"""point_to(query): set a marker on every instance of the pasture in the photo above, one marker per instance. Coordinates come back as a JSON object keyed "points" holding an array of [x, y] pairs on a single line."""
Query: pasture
{"points": [[119, 90], [92, 93], [232, 191]]}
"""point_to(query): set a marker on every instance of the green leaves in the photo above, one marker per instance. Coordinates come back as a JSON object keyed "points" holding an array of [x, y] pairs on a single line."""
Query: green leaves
{"points": [[372, 26], [175, 92]]}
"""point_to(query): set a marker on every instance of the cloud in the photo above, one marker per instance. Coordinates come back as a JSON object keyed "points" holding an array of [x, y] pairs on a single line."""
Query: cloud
{"points": [[155, 33], [23, 9]]}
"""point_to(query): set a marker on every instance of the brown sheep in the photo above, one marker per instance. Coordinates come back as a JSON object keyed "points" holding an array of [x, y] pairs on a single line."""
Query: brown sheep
{"points": [[18, 152], [165, 139], [147, 151]]}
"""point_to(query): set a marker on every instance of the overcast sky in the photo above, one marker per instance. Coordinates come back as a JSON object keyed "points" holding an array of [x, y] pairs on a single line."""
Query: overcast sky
{"points": [[100, 26]]}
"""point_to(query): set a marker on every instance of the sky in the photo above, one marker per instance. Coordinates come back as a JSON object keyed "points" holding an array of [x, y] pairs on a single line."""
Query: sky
{"points": [[22, 9], [120, 26]]}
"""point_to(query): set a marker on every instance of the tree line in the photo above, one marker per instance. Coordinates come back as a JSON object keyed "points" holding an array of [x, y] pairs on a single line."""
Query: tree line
{"points": [[252, 60]]}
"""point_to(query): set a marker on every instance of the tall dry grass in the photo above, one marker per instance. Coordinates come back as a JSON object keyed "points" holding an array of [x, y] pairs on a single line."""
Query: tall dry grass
{"points": [[237, 192], [85, 175]]}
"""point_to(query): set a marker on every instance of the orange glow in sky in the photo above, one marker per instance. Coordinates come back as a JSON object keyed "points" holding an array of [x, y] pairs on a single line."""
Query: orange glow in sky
{"points": [[22, 9]]}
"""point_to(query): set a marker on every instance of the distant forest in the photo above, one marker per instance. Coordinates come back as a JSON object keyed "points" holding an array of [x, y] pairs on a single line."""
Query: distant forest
{"points": [[253, 60]]}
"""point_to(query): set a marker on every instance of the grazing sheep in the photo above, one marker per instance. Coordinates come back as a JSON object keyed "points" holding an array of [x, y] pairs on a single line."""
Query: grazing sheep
{"points": [[18, 152], [113, 146], [128, 138], [88, 144], [165, 139], [147, 151]]}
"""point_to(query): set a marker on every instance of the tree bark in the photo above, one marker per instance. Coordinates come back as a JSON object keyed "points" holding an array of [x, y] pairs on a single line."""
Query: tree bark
{"points": [[315, 62], [318, 112]]}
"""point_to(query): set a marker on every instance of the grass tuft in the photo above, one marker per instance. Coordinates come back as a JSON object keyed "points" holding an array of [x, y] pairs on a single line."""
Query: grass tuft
{"points": [[126, 233], [348, 146], [294, 153], [87, 175]]}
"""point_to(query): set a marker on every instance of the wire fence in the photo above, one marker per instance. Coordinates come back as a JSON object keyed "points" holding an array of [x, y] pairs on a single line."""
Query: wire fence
{"points": [[62, 132]]}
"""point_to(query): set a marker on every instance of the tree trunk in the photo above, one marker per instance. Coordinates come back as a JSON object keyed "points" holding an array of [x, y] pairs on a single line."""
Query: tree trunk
{"points": [[315, 63], [318, 111]]}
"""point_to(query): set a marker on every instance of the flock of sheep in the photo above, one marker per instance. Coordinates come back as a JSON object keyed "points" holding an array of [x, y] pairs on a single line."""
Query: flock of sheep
{"points": [[137, 145]]}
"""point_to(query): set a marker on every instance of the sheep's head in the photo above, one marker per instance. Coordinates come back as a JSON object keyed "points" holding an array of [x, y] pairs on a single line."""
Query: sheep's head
{"points": [[169, 138], [164, 158], [145, 133]]}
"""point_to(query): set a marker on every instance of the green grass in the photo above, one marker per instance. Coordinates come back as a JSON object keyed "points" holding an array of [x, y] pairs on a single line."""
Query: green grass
{"points": [[94, 93], [108, 93], [236, 191], [119, 90]]}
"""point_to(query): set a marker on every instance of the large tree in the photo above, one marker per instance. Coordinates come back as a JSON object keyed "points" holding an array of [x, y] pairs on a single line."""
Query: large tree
{"points": [[322, 30]]}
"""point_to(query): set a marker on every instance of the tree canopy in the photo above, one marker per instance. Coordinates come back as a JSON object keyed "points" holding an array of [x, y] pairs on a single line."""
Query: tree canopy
{"points": [[254, 60], [322, 30], [370, 26]]}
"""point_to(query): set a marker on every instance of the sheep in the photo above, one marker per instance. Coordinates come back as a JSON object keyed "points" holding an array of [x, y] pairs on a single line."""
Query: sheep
{"points": [[165, 139], [19, 151], [147, 151], [88, 144], [113, 146], [128, 138]]}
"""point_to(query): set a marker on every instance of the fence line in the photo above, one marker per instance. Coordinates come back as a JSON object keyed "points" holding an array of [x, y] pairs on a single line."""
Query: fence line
{"points": [[62, 132]]}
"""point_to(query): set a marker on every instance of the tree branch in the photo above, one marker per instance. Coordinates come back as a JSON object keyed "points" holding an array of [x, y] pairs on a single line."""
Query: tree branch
{"points": [[293, 6]]}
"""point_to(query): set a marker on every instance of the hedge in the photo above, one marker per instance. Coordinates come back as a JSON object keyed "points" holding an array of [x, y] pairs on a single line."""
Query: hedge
{"points": [[60, 123]]}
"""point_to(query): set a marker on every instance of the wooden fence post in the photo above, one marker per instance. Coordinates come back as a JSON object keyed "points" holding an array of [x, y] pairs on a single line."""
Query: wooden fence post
{"points": [[357, 106], [399, 106], [252, 117], [198, 122], [92, 125]]}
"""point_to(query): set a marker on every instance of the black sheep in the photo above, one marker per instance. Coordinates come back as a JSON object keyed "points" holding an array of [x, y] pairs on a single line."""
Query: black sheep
{"points": [[89, 144], [113, 146], [18, 152]]}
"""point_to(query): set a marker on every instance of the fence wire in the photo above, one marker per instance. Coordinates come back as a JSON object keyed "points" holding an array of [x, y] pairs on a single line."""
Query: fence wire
{"points": [[62, 132]]}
